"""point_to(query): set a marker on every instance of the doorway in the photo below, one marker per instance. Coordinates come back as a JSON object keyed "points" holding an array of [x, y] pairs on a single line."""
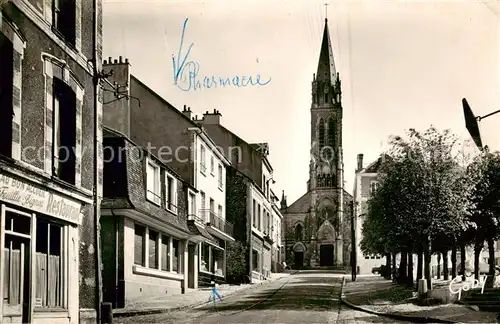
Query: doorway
{"points": [[299, 260], [326, 255], [191, 260], [16, 267]]}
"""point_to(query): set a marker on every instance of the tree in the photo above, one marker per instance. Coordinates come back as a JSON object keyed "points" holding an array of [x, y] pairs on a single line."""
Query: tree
{"points": [[484, 173], [237, 269]]}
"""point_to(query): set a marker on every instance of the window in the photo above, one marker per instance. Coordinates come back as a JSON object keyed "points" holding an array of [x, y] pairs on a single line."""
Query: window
{"points": [[153, 182], [49, 264], [203, 167], [64, 19], [203, 200], [298, 232], [175, 256], [205, 258], [326, 97], [220, 211], [331, 138], [171, 192], [220, 177], [373, 187], [212, 165], [191, 204], [6, 95], [321, 135], [254, 214], [259, 218], [139, 245], [212, 211], [165, 253], [218, 256], [64, 131], [153, 249]]}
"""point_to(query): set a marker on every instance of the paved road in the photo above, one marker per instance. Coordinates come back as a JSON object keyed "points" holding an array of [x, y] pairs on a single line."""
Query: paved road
{"points": [[306, 297]]}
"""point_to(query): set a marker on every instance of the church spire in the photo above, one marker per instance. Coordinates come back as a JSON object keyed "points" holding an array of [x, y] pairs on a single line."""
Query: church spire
{"points": [[326, 64]]}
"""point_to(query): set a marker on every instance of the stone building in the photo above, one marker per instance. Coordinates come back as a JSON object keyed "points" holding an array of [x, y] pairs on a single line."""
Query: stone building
{"points": [[318, 224], [50, 161], [178, 142]]}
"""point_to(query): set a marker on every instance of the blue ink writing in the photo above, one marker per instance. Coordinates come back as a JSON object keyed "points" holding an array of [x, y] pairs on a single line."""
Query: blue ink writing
{"points": [[187, 73]]}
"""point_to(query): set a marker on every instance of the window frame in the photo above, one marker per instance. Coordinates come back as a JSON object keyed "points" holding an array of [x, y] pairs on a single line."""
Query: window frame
{"points": [[151, 196], [173, 205], [212, 166], [203, 153], [220, 180]]}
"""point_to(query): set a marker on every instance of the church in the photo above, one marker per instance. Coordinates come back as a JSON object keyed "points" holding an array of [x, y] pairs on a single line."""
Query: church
{"points": [[317, 227]]}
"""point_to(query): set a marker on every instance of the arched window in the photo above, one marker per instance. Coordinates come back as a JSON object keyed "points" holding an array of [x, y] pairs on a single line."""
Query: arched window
{"points": [[331, 132], [298, 232], [326, 98], [321, 134]]}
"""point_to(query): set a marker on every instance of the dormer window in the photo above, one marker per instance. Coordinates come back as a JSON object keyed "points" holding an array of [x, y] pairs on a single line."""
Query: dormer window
{"points": [[153, 182], [171, 193]]}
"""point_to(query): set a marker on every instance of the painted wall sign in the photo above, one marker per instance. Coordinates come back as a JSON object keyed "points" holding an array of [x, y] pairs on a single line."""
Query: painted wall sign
{"points": [[39, 200]]}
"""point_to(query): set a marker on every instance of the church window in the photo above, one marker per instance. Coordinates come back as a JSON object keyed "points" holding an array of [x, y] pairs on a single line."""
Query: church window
{"points": [[321, 133], [331, 132], [326, 98], [298, 232]]}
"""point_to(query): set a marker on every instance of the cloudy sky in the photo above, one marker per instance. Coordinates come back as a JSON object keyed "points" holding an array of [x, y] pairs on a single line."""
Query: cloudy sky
{"points": [[402, 64]]}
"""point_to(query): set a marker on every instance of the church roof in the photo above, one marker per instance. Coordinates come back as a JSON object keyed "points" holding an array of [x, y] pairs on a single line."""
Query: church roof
{"points": [[301, 205], [374, 167], [326, 65]]}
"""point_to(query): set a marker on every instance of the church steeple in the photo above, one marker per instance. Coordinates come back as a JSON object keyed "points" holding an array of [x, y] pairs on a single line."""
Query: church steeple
{"points": [[326, 65]]}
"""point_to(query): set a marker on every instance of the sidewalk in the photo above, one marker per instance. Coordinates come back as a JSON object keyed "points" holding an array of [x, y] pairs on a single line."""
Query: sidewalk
{"points": [[379, 296], [190, 299]]}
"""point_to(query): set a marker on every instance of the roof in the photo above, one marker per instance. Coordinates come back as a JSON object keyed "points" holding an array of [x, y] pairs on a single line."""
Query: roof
{"points": [[301, 205], [326, 65], [195, 229]]}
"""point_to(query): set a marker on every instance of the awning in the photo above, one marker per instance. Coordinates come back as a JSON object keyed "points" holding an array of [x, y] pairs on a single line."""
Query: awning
{"points": [[198, 230]]}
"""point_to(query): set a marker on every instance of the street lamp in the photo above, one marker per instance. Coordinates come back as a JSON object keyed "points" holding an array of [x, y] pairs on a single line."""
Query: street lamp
{"points": [[472, 123]]}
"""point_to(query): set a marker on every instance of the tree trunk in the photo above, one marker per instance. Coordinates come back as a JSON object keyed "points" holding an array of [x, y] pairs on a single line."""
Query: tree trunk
{"points": [[427, 264], [388, 272], [454, 261], [491, 260], [393, 270], [409, 280], [438, 275], [463, 259], [420, 263], [403, 267], [477, 253], [445, 265]]}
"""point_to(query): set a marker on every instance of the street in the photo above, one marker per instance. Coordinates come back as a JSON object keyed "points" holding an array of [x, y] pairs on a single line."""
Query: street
{"points": [[306, 297]]}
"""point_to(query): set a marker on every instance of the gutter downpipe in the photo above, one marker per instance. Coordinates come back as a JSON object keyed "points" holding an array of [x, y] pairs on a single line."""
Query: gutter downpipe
{"points": [[97, 224]]}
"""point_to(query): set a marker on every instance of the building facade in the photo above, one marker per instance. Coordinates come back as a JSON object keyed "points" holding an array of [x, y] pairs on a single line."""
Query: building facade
{"points": [[276, 221], [365, 183], [145, 235], [317, 225], [180, 143], [50, 161], [250, 181]]}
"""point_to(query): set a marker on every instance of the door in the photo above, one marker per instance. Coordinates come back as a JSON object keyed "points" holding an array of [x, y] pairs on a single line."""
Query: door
{"points": [[326, 255], [191, 259], [299, 260], [16, 266]]}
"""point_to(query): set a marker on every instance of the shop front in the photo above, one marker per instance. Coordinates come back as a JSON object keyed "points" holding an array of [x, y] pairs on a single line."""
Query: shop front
{"points": [[39, 263]]}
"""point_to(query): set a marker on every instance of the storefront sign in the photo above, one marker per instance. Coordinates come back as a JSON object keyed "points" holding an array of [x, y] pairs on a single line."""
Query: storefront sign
{"points": [[37, 199]]}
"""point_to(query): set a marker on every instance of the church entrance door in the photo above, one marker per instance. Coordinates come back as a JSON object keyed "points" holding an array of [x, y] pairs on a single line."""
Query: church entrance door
{"points": [[326, 255], [299, 260]]}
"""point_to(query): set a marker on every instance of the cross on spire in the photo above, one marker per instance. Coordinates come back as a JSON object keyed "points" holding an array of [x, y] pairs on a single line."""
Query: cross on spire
{"points": [[326, 11]]}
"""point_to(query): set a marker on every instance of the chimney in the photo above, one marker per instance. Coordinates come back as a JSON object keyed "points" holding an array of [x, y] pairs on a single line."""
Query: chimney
{"points": [[360, 162], [187, 112], [212, 118], [116, 113]]}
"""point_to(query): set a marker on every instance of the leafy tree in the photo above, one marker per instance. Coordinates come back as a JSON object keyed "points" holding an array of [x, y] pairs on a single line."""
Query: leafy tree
{"points": [[237, 265]]}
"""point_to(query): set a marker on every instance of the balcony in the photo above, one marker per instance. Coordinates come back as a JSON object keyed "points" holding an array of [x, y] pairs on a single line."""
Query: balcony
{"points": [[196, 218], [220, 227]]}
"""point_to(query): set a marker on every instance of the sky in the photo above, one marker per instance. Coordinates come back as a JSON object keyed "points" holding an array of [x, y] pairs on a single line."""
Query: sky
{"points": [[402, 65]]}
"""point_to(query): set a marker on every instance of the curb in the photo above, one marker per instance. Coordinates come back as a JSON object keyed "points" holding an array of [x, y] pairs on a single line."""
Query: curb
{"points": [[185, 307], [414, 319]]}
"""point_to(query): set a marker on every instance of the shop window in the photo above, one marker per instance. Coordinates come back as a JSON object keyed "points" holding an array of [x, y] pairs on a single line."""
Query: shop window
{"points": [[165, 252], [139, 245], [175, 256], [255, 260], [49, 265], [218, 262], [6, 95], [205, 258], [153, 249]]}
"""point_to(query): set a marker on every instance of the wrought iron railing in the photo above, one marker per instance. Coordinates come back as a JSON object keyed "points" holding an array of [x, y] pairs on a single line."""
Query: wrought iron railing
{"points": [[214, 220], [196, 218]]}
